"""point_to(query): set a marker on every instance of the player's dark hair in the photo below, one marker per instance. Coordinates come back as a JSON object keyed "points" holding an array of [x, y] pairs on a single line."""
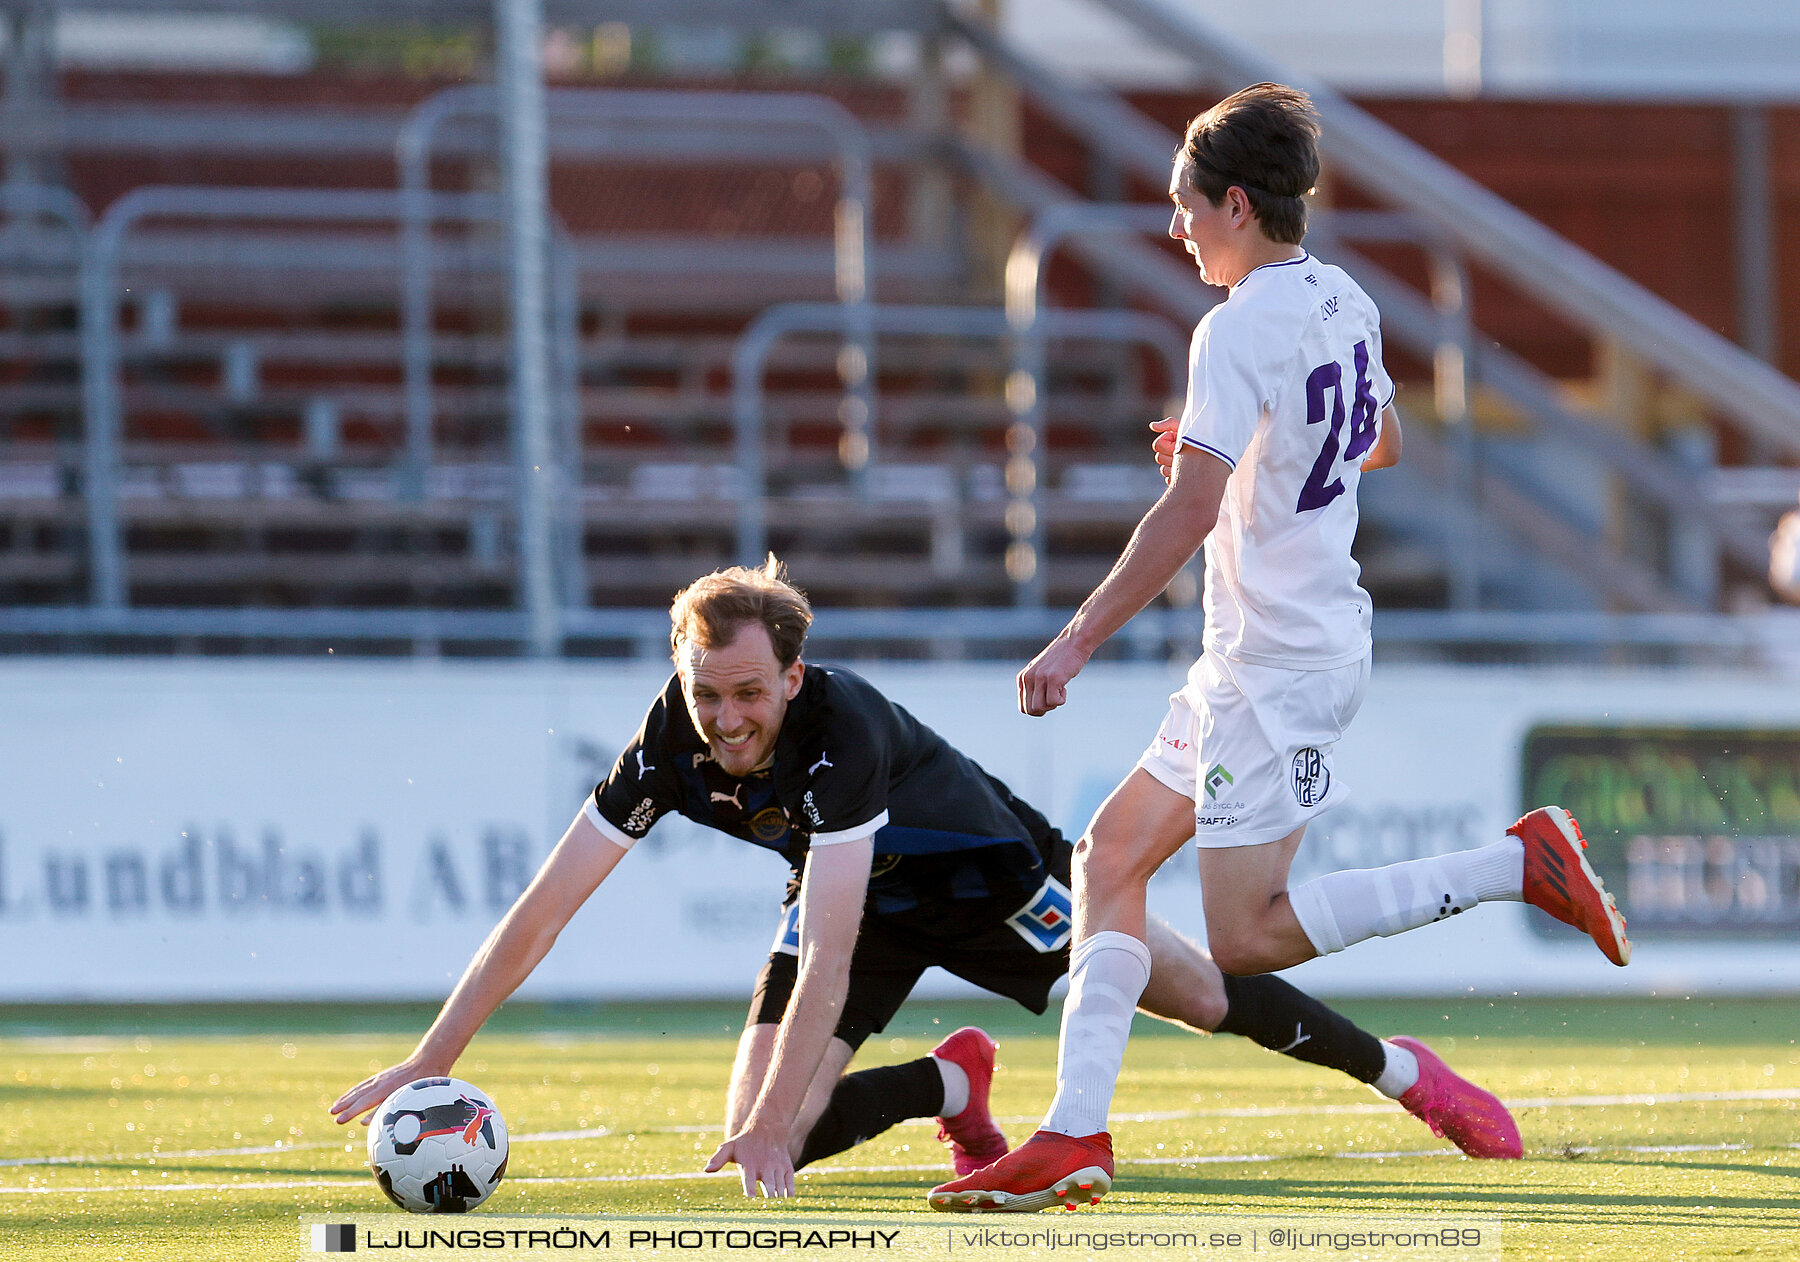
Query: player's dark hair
{"points": [[710, 611], [1264, 140]]}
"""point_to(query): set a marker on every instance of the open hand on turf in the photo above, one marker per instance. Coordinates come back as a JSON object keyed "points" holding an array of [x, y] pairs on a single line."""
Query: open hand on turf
{"points": [[761, 1158]]}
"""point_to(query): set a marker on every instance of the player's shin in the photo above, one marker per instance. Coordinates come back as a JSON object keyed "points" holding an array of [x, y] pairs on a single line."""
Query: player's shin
{"points": [[1342, 908], [866, 1103], [1269, 1012], [1107, 975]]}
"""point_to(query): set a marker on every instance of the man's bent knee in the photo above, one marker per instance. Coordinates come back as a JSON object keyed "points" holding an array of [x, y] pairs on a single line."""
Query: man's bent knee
{"points": [[1184, 984], [1247, 953], [1113, 855]]}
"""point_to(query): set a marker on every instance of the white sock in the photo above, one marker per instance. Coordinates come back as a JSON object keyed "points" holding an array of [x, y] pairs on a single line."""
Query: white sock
{"points": [[1399, 1074], [1342, 908], [1107, 974], [956, 1087]]}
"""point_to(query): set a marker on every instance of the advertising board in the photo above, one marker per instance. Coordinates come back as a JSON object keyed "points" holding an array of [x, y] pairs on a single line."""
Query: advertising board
{"points": [[278, 829]]}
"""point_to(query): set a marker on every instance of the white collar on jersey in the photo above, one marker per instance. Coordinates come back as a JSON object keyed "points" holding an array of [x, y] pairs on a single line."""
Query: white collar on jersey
{"points": [[1305, 257]]}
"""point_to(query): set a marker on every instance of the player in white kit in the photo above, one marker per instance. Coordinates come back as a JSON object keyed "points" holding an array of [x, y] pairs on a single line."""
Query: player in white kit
{"points": [[1288, 404]]}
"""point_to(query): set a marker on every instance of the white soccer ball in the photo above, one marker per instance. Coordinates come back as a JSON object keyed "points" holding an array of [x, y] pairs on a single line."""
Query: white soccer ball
{"points": [[437, 1146]]}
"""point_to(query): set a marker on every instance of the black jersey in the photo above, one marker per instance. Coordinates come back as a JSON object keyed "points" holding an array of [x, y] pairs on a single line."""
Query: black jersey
{"points": [[848, 763]]}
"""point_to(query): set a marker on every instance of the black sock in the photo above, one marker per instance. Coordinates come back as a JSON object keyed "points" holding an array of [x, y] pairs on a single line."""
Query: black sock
{"points": [[1266, 1010], [868, 1102]]}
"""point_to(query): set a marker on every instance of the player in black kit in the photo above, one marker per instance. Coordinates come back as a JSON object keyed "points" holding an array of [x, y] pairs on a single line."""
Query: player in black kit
{"points": [[905, 854]]}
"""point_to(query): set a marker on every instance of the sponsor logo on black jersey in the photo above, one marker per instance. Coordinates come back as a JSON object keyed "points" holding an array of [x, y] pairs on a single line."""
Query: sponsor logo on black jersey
{"points": [[769, 825], [1047, 919], [642, 816]]}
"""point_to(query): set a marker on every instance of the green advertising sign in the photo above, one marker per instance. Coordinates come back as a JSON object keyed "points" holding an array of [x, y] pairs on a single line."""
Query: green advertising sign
{"points": [[1696, 831]]}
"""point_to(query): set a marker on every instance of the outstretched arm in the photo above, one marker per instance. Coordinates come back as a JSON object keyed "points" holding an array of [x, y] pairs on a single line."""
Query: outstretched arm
{"points": [[581, 860], [831, 906], [1163, 542]]}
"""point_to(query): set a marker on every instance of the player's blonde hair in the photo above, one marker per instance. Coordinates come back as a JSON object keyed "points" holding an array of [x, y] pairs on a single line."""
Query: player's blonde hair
{"points": [[1264, 140], [710, 611]]}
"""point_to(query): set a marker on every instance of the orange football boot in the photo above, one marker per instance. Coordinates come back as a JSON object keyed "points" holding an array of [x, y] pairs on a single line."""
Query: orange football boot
{"points": [[1559, 881]]}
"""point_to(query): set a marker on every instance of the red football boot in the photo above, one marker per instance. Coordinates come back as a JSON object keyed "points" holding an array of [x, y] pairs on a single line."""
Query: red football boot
{"points": [[1047, 1169], [973, 1138], [1458, 1110], [1559, 881]]}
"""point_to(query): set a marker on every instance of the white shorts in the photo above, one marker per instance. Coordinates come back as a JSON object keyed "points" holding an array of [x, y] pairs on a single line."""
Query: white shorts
{"points": [[1251, 745]]}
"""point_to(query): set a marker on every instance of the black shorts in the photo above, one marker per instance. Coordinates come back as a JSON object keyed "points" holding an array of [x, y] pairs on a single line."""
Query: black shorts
{"points": [[889, 961]]}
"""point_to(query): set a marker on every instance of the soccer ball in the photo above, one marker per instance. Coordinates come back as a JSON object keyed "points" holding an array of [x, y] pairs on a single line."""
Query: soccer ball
{"points": [[437, 1146]]}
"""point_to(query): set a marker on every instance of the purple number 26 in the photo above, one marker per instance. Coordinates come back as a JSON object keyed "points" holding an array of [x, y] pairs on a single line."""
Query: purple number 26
{"points": [[1317, 492]]}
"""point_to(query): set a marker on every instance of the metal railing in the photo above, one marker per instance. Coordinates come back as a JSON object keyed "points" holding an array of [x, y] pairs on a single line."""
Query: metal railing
{"points": [[728, 115], [1767, 642], [1026, 387], [774, 323], [20, 197], [865, 17], [102, 393], [1647, 472]]}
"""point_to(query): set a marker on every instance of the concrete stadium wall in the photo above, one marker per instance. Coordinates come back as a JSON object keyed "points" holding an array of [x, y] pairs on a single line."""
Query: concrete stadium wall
{"points": [[346, 829]]}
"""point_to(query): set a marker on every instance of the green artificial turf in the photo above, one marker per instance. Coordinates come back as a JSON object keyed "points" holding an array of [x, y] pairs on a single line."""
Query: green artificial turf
{"points": [[186, 1132]]}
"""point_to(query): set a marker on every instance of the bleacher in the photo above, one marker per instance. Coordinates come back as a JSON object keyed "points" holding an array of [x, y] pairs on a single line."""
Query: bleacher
{"points": [[282, 445], [264, 391]]}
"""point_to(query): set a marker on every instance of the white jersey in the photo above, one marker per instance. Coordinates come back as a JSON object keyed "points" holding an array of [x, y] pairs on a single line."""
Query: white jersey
{"points": [[1286, 385]]}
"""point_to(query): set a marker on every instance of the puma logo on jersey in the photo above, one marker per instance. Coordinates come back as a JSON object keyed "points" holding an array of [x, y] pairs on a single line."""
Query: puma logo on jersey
{"points": [[1299, 1038], [731, 797], [824, 761], [644, 766]]}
